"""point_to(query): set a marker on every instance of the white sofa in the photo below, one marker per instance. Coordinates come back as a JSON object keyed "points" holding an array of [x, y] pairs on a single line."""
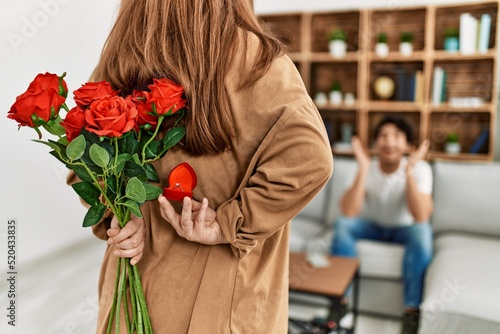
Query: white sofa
{"points": [[462, 286]]}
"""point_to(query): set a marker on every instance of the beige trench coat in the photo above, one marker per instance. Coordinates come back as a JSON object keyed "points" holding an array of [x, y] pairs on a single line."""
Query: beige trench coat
{"points": [[281, 159]]}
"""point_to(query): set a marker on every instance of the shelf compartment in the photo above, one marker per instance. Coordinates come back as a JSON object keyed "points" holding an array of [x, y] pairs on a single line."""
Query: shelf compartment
{"points": [[326, 73], [287, 28], [468, 78], [374, 118], [396, 56], [324, 23], [400, 106], [468, 125], [334, 123], [449, 16], [457, 56], [394, 22], [399, 72]]}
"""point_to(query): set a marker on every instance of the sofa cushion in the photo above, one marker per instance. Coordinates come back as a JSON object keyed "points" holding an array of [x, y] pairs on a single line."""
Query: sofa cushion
{"points": [[465, 197], [461, 286], [380, 259], [343, 172]]}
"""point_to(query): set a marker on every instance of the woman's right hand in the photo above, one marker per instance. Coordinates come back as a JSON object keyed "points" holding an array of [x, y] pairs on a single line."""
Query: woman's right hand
{"points": [[129, 240]]}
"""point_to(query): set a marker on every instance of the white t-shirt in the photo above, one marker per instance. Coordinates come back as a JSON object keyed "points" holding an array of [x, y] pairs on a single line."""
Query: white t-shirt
{"points": [[385, 199]]}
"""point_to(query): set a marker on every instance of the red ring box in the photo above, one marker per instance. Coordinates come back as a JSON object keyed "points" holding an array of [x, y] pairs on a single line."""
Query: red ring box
{"points": [[182, 181]]}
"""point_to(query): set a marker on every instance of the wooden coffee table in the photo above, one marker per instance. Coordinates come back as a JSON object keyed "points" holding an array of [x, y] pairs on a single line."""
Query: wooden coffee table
{"points": [[331, 282]]}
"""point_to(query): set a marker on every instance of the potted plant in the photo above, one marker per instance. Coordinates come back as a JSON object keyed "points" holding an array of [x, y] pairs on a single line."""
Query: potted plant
{"points": [[451, 42], [337, 43], [452, 145], [405, 45], [336, 93], [382, 48]]}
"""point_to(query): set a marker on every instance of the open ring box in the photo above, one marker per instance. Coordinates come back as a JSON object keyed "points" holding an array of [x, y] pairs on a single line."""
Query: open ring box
{"points": [[182, 181]]}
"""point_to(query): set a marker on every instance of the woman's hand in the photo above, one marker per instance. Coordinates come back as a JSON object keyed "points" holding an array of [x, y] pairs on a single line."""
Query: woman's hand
{"points": [[129, 240], [196, 223]]}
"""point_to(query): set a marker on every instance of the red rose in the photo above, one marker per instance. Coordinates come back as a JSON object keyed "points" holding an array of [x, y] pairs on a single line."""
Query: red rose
{"points": [[50, 81], [145, 115], [41, 102], [166, 95], [111, 116], [92, 91], [73, 122]]}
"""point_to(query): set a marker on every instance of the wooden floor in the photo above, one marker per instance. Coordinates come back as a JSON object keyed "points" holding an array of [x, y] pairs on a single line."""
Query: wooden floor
{"points": [[58, 295]]}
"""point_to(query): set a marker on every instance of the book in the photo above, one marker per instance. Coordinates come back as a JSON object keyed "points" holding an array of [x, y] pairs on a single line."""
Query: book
{"points": [[400, 84], [484, 33], [419, 87], [480, 142], [437, 85], [443, 87], [468, 33]]}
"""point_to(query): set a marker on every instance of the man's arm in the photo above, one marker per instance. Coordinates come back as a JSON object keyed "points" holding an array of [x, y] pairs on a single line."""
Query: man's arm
{"points": [[419, 204], [353, 199]]}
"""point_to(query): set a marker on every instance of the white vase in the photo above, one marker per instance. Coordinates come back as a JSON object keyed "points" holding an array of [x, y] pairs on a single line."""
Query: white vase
{"points": [[337, 48], [349, 99], [335, 97], [321, 99], [453, 148], [382, 50], [406, 48]]}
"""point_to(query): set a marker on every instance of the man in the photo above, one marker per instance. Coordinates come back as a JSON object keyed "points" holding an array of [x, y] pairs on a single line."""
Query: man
{"points": [[390, 200]]}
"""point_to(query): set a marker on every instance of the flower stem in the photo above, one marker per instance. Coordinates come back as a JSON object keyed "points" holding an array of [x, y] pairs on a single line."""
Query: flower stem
{"points": [[132, 296], [115, 295], [119, 297], [160, 120]]}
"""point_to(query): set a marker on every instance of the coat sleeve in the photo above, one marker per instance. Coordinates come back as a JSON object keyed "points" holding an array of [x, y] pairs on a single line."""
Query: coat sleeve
{"points": [[100, 228], [289, 168]]}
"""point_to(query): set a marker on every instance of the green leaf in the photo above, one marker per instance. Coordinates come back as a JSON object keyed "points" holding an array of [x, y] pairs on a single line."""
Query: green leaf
{"points": [[152, 192], [135, 190], [134, 208], [132, 169], [94, 215], [81, 172], [128, 144], [135, 158], [151, 173], [99, 155], [153, 149], [103, 142], [173, 136], [76, 148], [52, 145], [112, 185], [121, 160], [88, 192]]}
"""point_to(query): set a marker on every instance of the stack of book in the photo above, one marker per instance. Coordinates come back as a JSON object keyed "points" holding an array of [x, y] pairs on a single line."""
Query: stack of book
{"points": [[409, 85], [474, 33]]}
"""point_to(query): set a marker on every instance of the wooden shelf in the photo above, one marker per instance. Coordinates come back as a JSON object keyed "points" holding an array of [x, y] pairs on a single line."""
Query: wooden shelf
{"points": [[474, 75], [394, 106], [445, 55], [396, 56]]}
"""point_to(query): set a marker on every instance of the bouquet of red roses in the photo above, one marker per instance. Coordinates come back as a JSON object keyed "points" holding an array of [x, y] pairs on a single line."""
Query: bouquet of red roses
{"points": [[109, 141]]}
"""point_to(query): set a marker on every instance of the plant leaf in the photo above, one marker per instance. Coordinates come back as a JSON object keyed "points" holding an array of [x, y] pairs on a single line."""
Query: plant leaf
{"points": [[132, 169], [81, 172], [134, 208], [76, 148], [94, 215], [88, 192], [121, 160], [152, 192], [135, 190], [52, 145], [128, 144], [99, 155], [151, 173], [172, 137], [112, 185]]}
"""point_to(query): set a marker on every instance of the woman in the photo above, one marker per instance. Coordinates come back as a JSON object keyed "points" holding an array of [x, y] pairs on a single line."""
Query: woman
{"points": [[258, 146]]}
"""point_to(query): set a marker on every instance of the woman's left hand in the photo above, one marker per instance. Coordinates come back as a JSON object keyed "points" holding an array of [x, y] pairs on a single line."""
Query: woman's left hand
{"points": [[196, 223]]}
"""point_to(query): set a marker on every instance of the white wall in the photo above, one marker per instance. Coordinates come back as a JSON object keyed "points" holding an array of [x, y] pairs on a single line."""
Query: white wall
{"points": [[38, 36]]}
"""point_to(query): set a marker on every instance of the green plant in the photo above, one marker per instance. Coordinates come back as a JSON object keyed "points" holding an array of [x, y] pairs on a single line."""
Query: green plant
{"points": [[406, 37], [338, 34], [336, 86], [452, 137], [382, 37], [451, 32]]}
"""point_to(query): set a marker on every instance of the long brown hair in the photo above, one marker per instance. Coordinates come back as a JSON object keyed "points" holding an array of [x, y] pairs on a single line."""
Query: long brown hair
{"points": [[191, 42]]}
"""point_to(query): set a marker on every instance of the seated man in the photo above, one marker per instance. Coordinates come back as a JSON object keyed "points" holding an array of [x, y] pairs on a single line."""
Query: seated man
{"points": [[390, 200]]}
